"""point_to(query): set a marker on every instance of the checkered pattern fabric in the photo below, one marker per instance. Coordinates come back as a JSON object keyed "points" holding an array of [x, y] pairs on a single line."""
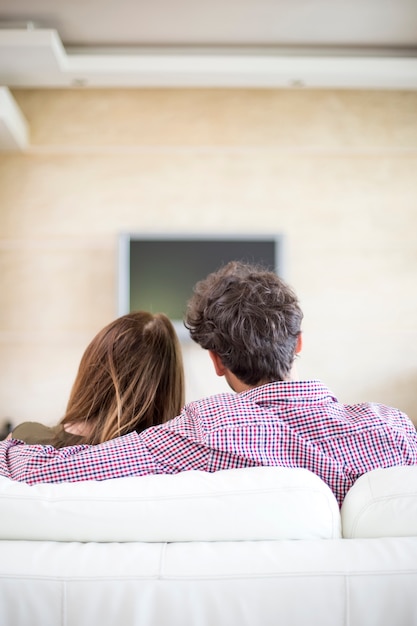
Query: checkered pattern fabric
{"points": [[290, 424]]}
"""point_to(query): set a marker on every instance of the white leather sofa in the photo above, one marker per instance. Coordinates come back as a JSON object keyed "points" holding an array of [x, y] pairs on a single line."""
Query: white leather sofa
{"points": [[260, 546]]}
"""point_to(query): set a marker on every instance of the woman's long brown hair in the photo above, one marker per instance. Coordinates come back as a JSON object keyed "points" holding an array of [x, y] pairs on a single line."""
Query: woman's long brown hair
{"points": [[130, 377]]}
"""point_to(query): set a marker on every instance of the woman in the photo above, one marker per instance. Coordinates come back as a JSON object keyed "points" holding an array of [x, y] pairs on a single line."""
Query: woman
{"points": [[130, 377]]}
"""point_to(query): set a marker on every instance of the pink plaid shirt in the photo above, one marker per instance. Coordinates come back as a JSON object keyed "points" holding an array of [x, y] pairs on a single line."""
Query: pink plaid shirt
{"points": [[290, 424]]}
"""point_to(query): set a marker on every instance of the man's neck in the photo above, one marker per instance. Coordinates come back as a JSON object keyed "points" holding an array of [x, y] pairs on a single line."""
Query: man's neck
{"points": [[239, 386]]}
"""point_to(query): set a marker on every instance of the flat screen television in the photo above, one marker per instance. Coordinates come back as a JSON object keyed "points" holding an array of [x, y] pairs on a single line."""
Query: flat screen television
{"points": [[157, 273]]}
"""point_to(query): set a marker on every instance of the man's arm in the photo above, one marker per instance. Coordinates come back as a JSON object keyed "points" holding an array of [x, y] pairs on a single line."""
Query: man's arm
{"points": [[170, 448], [44, 463]]}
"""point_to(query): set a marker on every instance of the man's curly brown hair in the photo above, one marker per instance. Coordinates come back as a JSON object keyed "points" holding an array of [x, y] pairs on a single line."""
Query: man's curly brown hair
{"points": [[250, 318]]}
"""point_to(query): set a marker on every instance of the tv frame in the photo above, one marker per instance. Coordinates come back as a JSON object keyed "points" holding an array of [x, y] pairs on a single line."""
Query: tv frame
{"points": [[124, 253]]}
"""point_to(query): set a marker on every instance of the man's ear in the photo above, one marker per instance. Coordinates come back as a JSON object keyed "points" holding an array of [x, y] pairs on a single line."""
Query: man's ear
{"points": [[299, 344], [217, 362]]}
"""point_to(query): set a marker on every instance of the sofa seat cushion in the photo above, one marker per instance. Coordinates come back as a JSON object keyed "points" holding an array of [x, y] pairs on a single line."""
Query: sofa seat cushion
{"points": [[258, 503], [382, 503]]}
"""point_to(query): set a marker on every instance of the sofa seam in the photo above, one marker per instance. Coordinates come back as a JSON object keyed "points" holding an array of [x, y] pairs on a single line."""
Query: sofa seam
{"points": [[347, 600], [64, 603], [249, 576], [193, 495], [162, 561]]}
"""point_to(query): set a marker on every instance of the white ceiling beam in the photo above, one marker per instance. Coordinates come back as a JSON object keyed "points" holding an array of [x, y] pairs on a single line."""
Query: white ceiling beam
{"points": [[36, 58]]}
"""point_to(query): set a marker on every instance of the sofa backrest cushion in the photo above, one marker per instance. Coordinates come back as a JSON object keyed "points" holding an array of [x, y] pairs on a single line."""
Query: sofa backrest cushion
{"points": [[230, 505], [382, 503]]}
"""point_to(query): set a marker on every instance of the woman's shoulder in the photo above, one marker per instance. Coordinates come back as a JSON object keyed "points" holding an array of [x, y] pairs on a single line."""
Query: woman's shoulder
{"points": [[35, 432]]}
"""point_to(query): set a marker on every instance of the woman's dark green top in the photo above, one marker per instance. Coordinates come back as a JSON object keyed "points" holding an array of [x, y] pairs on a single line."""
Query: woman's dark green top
{"points": [[35, 432]]}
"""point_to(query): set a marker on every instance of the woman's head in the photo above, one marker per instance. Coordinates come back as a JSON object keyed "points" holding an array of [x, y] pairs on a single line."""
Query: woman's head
{"points": [[130, 377]]}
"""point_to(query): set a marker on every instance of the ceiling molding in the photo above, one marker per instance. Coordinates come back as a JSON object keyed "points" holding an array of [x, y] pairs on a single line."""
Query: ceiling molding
{"points": [[36, 58]]}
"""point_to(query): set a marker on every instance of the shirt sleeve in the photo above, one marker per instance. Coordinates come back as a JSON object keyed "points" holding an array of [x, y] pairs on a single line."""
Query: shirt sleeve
{"points": [[169, 448]]}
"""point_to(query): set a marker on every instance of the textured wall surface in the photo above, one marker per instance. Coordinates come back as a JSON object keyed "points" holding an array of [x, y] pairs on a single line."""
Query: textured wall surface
{"points": [[334, 171]]}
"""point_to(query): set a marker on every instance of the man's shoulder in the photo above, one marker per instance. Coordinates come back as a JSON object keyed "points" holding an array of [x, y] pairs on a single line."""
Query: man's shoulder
{"points": [[378, 413]]}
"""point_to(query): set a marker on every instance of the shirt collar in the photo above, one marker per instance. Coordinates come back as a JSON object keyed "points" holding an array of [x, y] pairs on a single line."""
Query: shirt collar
{"points": [[290, 391]]}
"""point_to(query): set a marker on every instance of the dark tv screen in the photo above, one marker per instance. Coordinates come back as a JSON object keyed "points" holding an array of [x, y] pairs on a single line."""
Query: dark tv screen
{"points": [[158, 274]]}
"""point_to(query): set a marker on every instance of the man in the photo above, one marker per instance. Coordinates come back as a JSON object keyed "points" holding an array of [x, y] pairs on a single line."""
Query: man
{"points": [[250, 322]]}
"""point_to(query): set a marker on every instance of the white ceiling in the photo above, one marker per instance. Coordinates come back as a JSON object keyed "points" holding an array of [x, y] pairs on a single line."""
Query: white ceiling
{"points": [[375, 23], [211, 43]]}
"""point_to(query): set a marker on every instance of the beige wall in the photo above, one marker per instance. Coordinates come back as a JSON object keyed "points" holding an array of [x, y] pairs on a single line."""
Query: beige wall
{"points": [[334, 171]]}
